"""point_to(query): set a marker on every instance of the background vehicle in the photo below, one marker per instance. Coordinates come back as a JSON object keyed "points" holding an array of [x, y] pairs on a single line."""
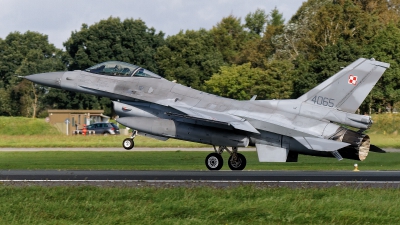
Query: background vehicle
{"points": [[102, 128]]}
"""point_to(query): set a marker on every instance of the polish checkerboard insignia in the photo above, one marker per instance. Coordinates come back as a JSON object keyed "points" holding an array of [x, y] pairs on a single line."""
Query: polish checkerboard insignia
{"points": [[352, 79]]}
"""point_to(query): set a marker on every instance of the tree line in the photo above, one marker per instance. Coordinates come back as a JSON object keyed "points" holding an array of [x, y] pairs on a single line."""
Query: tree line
{"points": [[261, 55]]}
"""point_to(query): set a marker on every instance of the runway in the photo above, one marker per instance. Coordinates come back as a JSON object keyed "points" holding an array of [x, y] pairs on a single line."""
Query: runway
{"points": [[245, 176], [375, 178]]}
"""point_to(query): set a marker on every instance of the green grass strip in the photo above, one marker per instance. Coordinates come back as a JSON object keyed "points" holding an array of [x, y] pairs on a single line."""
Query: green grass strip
{"points": [[57, 140], [28, 132], [200, 205], [93, 141], [179, 160]]}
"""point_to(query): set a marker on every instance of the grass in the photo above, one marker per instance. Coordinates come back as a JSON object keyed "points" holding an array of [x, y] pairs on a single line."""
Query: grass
{"points": [[26, 132], [385, 141], [76, 141], [200, 205], [179, 160], [197, 205], [25, 126], [59, 140], [386, 123], [19, 132]]}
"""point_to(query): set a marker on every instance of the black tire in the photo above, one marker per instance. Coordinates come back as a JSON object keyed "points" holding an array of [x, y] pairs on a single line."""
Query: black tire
{"points": [[106, 133], [128, 143], [239, 165], [214, 161]]}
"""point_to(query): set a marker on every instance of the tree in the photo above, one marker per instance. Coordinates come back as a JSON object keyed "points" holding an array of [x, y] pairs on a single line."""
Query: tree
{"points": [[229, 38], [242, 82], [190, 58], [385, 46], [310, 73], [256, 21], [233, 81], [276, 82], [24, 54], [258, 50], [276, 18], [328, 35], [128, 41]]}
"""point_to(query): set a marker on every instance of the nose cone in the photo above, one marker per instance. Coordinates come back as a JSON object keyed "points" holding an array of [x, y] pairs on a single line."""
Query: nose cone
{"points": [[52, 79]]}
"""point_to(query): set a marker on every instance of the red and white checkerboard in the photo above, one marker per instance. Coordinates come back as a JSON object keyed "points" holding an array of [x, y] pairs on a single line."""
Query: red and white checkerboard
{"points": [[352, 79]]}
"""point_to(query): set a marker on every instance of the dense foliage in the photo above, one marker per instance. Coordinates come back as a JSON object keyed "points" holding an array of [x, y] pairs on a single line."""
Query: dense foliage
{"points": [[262, 55]]}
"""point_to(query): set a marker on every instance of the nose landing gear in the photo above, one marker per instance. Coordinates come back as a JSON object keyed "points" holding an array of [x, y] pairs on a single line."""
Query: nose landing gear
{"points": [[214, 161], [129, 143]]}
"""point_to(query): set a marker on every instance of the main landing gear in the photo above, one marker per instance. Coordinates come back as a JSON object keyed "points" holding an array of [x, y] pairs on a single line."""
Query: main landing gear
{"points": [[214, 161], [128, 143]]}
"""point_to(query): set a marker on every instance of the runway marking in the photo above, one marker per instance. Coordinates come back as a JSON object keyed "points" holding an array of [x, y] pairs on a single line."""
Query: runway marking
{"points": [[207, 181]]}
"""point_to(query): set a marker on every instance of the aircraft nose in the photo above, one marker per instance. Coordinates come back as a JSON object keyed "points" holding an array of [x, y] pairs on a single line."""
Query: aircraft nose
{"points": [[52, 79]]}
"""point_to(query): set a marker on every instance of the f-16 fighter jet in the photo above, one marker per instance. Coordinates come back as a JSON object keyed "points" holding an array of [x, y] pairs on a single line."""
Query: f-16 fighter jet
{"points": [[313, 124]]}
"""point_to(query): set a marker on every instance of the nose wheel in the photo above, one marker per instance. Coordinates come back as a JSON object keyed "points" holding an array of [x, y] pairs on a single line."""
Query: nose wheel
{"points": [[129, 143]]}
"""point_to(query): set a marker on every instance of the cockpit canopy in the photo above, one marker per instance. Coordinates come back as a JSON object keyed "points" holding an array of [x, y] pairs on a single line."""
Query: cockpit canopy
{"points": [[121, 69]]}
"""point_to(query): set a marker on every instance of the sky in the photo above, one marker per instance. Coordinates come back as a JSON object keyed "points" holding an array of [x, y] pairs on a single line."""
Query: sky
{"points": [[58, 19]]}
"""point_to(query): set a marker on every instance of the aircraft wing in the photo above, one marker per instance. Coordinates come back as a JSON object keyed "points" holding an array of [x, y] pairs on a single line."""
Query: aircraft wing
{"points": [[213, 118]]}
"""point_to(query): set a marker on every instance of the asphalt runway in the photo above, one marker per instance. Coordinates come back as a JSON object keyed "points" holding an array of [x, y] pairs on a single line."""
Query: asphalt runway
{"points": [[62, 177], [246, 176]]}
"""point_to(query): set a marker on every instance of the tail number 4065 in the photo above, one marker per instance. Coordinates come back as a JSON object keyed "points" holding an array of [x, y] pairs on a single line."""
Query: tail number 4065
{"points": [[319, 100]]}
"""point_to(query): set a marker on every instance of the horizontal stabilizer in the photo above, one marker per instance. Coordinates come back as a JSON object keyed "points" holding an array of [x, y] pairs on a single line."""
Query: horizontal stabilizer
{"points": [[320, 144]]}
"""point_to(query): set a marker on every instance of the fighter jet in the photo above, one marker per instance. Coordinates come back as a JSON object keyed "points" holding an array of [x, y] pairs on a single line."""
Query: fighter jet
{"points": [[322, 122]]}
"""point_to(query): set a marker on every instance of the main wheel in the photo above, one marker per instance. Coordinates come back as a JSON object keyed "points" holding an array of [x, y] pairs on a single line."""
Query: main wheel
{"points": [[214, 161], [128, 143], [239, 164]]}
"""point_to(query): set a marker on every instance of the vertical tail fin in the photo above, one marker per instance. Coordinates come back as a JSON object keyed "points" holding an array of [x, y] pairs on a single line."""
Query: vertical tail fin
{"points": [[347, 89]]}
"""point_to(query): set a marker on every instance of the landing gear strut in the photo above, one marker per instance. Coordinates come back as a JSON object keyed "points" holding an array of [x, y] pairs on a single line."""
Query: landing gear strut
{"points": [[214, 161], [128, 143]]}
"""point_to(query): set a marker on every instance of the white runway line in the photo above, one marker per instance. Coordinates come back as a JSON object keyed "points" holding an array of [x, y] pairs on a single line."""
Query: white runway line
{"points": [[206, 181], [136, 149]]}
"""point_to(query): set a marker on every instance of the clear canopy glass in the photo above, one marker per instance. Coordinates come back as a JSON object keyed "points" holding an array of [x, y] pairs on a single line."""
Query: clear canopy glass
{"points": [[122, 69]]}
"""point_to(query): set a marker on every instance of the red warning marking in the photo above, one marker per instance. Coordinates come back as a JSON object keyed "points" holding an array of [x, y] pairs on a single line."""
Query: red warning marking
{"points": [[352, 79]]}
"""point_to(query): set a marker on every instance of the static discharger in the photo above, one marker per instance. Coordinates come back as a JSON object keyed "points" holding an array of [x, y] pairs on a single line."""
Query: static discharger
{"points": [[356, 168]]}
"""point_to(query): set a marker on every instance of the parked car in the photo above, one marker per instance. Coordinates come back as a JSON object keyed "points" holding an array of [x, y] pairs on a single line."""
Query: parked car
{"points": [[102, 128]]}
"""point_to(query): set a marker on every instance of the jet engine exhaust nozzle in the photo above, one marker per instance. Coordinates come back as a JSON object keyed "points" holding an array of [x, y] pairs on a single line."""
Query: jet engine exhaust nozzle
{"points": [[359, 144]]}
